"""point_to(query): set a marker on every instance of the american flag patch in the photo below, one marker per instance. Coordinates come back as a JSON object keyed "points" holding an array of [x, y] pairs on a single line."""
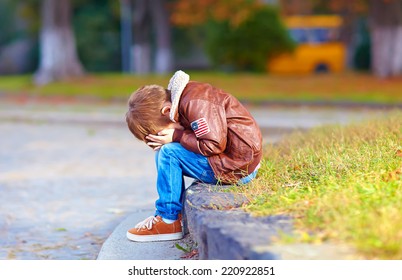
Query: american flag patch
{"points": [[200, 127]]}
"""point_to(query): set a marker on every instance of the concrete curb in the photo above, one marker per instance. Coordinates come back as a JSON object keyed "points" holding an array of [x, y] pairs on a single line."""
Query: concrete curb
{"points": [[225, 232]]}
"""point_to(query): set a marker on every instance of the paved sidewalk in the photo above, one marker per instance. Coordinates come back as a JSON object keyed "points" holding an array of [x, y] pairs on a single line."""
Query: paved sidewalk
{"points": [[69, 175], [118, 247], [65, 186]]}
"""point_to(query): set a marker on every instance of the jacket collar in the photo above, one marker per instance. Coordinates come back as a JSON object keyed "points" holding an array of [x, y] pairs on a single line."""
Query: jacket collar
{"points": [[176, 86]]}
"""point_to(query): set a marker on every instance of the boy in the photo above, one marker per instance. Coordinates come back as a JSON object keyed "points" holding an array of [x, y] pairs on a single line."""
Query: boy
{"points": [[197, 131]]}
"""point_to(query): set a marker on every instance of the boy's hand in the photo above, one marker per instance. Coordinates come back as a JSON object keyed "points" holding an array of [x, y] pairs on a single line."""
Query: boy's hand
{"points": [[163, 137]]}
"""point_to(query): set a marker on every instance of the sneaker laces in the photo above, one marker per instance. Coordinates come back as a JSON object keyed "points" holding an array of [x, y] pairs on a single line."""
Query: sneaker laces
{"points": [[147, 223]]}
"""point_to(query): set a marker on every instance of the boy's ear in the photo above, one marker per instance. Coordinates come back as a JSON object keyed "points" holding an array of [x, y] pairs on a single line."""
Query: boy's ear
{"points": [[166, 110]]}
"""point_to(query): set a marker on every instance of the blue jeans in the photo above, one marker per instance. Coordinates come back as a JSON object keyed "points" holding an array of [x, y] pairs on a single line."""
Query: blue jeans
{"points": [[173, 162]]}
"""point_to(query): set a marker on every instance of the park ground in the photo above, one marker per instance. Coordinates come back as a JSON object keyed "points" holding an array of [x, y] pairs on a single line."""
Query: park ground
{"points": [[335, 88], [321, 178]]}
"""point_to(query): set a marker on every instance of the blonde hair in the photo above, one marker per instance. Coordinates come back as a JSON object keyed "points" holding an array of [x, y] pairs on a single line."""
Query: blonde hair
{"points": [[144, 114]]}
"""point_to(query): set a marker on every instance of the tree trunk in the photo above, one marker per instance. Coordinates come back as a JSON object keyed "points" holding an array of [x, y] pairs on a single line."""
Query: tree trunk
{"points": [[347, 31], [148, 14], [126, 35], [386, 37], [141, 50], [160, 16], [58, 54]]}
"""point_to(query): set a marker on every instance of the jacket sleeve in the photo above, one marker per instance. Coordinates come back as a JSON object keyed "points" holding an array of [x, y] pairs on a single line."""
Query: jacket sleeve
{"points": [[208, 132]]}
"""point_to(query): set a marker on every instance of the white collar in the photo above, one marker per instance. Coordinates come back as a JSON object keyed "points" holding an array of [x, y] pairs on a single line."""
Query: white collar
{"points": [[176, 86]]}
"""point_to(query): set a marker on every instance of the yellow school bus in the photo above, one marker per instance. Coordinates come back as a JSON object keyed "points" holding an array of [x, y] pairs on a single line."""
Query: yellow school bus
{"points": [[318, 48]]}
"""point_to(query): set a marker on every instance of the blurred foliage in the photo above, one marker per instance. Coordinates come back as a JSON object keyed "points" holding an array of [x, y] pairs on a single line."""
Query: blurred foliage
{"points": [[18, 20], [291, 7], [184, 40], [8, 29], [362, 55], [196, 12], [96, 25], [19, 25], [249, 44], [232, 32], [97, 29]]}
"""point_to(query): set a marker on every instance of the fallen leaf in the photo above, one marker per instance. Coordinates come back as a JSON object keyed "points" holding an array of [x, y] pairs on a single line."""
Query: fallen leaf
{"points": [[393, 175], [190, 255]]}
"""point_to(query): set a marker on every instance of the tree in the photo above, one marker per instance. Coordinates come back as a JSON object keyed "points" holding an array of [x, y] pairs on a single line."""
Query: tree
{"points": [[150, 14], [97, 31], [58, 54], [238, 34], [386, 37], [249, 44]]}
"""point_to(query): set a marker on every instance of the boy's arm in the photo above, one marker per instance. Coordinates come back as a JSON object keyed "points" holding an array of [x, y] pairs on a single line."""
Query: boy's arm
{"points": [[208, 132]]}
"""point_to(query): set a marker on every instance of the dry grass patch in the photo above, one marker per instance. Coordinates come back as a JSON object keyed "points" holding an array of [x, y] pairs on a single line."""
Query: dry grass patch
{"points": [[342, 184]]}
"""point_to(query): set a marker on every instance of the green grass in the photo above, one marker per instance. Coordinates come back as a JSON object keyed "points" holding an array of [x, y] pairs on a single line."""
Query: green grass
{"points": [[340, 184], [103, 86], [349, 87]]}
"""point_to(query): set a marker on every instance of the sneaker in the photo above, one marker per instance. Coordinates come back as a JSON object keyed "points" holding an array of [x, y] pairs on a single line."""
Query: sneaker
{"points": [[155, 229]]}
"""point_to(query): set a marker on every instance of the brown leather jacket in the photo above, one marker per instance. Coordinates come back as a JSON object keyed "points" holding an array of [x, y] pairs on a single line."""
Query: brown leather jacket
{"points": [[219, 127]]}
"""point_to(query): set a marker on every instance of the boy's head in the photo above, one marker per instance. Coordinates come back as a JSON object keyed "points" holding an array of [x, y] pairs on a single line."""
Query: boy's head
{"points": [[148, 111]]}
